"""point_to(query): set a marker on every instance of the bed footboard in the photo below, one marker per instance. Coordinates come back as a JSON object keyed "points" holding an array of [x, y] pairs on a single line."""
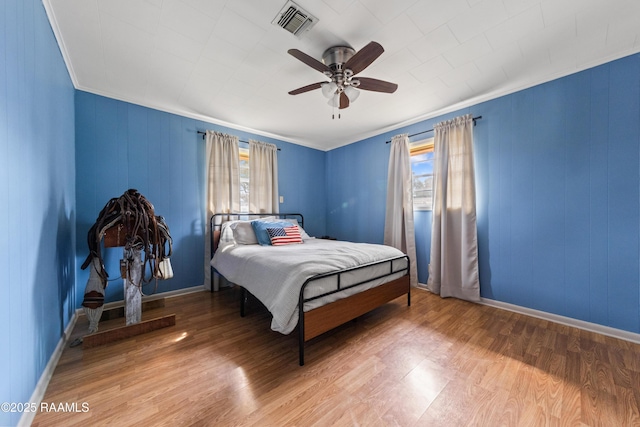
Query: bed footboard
{"points": [[327, 317], [324, 318]]}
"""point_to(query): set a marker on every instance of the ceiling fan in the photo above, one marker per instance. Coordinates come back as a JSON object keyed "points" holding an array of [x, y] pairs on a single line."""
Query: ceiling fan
{"points": [[341, 64]]}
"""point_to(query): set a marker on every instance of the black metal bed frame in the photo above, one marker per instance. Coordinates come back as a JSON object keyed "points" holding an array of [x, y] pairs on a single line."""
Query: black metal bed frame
{"points": [[301, 299]]}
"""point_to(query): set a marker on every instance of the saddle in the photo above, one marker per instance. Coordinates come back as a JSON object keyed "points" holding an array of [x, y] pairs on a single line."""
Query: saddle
{"points": [[131, 218]]}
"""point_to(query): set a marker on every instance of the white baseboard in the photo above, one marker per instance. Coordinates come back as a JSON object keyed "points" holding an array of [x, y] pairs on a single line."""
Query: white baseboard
{"points": [[568, 321], [43, 382], [152, 297], [563, 320]]}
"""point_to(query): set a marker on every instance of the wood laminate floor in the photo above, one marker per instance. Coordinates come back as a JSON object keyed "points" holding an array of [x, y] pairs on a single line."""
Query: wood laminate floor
{"points": [[440, 362]]}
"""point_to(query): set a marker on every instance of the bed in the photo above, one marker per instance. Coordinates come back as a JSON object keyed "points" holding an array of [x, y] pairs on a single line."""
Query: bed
{"points": [[330, 282]]}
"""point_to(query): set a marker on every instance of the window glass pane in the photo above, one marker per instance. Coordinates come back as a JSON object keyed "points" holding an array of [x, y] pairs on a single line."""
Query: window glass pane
{"points": [[422, 174], [244, 180]]}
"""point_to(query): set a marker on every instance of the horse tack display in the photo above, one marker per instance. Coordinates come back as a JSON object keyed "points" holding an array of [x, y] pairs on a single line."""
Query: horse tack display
{"points": [[128, 221]]}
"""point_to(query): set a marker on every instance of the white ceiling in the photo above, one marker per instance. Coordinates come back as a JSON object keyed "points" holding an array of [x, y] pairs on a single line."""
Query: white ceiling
{"points": [[223, 61]]}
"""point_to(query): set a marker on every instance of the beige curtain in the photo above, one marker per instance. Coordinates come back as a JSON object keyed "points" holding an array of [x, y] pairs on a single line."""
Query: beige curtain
{"points": [[222, 186], [263, 177], [453, 268], [398, 222]]}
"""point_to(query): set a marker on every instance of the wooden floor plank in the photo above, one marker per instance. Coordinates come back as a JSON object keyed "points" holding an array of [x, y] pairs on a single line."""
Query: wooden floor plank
{"points": [[439, 362]]}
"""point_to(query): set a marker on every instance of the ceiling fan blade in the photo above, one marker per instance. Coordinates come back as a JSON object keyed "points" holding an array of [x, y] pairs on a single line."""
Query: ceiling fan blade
{"points": [[311, 62], [364, 57], [376, 85], [306, 88], [344, 101]]}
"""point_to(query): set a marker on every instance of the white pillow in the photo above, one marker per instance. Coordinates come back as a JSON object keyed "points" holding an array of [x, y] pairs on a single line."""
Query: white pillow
{"points": [[243, 233], [303, 233], [226, 233]]}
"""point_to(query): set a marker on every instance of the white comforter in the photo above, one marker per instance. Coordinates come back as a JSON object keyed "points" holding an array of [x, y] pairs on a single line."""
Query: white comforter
{"points": [[275, 274]]}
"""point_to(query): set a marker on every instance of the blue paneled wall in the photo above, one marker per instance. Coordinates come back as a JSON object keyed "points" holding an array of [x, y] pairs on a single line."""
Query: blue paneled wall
{"points": [[558, 190], [121, 146], [37, 199]]}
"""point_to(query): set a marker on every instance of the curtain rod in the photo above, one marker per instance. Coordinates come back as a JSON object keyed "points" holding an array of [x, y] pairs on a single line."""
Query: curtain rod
{"points": [[431, 130], [239, 140]]}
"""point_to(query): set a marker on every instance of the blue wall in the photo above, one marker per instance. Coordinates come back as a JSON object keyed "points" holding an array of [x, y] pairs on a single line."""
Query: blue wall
{"points": [[121, 146], [558, 186], [37, 198]]}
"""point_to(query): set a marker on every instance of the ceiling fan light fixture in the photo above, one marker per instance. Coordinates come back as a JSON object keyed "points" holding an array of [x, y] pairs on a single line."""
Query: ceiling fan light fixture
{"points": [[335, 100], [352, 93], [329, 89]]}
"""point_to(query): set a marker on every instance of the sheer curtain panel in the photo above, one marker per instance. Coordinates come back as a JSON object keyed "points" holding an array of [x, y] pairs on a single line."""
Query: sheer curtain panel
{"points": [[398, 222], [263, 177], [453, 268], [222, 186]]}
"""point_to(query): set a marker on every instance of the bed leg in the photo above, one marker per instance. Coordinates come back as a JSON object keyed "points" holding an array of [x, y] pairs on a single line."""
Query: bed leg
{"points": [[301, 351], [409, 298], [301, 339], [243, 300]]}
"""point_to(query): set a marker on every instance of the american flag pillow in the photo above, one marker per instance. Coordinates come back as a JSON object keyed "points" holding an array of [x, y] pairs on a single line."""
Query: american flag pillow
{"points": [[284, 235]]}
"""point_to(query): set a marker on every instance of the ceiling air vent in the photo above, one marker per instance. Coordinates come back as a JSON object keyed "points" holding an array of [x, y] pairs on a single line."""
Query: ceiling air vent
{"points": [[294, 19]]}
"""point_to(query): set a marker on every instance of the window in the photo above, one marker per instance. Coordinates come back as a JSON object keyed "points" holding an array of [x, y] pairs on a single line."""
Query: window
{"points": [[244, 179], [422, 174]]}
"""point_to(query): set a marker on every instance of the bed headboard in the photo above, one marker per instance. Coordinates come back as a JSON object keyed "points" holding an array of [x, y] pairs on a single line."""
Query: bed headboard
{"points": [[218, 219]]}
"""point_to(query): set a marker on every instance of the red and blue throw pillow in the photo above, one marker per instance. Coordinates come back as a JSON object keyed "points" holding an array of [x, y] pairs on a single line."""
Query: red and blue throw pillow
{"points": [[260, 229], [284, 235]]}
